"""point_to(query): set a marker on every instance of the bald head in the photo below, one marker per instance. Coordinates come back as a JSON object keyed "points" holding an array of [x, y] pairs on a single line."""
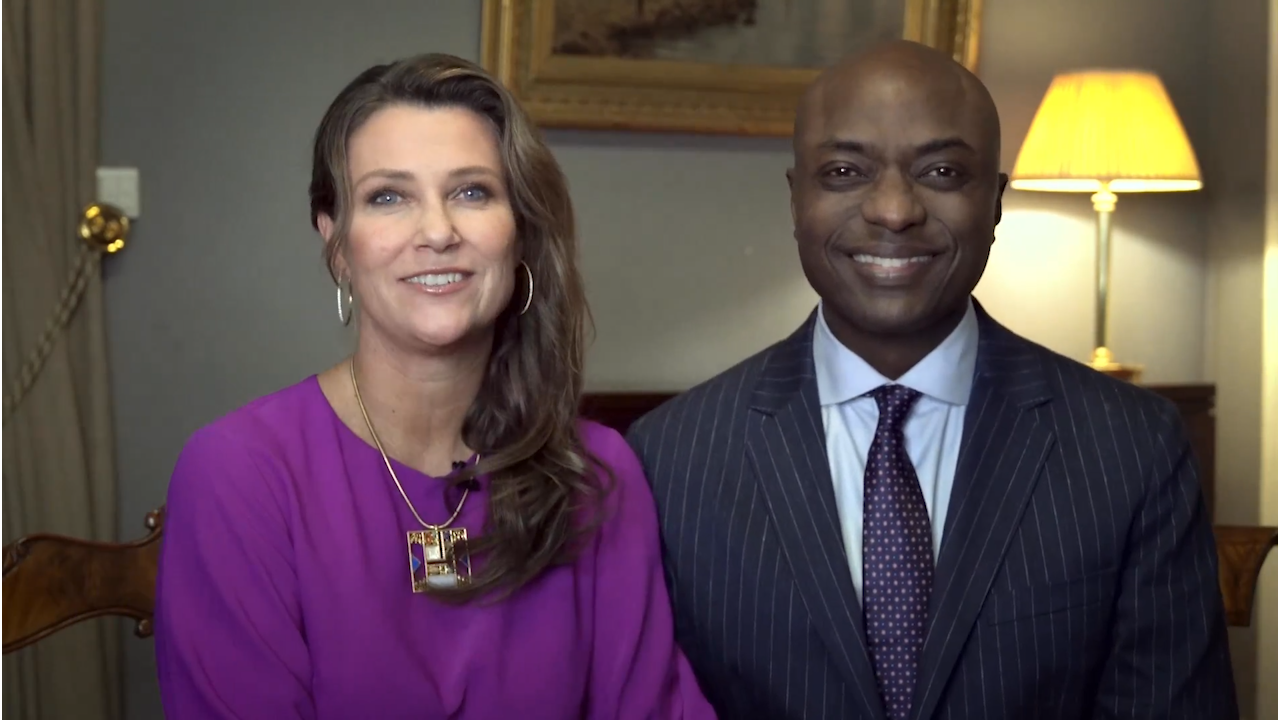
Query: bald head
{"points": [[895, 194], [898, 73]]}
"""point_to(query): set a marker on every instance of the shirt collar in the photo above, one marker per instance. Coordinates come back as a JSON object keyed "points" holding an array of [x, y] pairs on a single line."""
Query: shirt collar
{"points": [[945, 374]]}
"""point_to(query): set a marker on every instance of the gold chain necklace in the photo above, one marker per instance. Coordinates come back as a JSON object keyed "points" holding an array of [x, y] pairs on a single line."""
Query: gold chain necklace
{"points": [[435, 557]]}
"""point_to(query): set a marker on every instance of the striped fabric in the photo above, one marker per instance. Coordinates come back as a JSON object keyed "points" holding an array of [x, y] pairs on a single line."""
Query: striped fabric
{"points": [[1077, 577]]}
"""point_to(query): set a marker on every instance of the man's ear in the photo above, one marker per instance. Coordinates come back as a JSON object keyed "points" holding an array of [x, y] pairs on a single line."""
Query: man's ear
{"points": [[1004, 183], [791, 185]]}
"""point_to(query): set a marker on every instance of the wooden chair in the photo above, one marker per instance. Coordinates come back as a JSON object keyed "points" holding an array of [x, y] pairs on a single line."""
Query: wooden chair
{"points": [[1241, 553], [52, 582]]}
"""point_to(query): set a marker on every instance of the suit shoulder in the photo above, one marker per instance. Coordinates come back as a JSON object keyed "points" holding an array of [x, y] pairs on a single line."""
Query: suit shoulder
{"points": [[725, 392], [1080, 383]]}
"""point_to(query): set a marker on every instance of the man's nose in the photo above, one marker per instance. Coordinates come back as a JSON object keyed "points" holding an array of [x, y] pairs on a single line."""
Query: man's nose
{"points": [[892, 203]]}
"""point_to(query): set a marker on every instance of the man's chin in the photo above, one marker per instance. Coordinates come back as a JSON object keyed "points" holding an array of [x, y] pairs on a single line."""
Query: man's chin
{"points": [[886, 318]]}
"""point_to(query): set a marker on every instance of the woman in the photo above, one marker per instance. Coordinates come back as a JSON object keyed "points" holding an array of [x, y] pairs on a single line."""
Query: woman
{"points": [[426, 529]]}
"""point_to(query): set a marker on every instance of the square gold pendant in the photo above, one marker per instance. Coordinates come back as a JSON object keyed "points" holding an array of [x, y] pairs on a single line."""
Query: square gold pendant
{"points": [[435, 560]]}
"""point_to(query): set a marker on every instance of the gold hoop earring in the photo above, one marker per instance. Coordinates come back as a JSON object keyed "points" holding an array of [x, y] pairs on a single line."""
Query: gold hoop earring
{"points": [[345, 309], [528, 300]]}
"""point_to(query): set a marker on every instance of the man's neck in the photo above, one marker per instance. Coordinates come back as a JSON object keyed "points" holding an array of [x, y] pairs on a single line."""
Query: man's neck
{"points": [[892, 355]]}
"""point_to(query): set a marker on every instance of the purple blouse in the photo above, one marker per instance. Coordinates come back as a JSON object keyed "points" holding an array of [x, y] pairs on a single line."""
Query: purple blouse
{"points": [[284, 590]]}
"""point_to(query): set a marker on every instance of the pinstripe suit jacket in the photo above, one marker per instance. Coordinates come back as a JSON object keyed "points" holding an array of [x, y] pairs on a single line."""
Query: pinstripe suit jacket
{"points": [[1077, 577]]}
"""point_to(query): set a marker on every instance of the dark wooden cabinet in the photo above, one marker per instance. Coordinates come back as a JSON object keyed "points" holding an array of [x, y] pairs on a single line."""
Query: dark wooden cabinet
{"points": [[1195, 402]]}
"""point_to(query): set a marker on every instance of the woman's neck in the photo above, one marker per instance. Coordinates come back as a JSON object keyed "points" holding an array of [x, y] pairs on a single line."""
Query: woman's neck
{"points": [[416, 403]]}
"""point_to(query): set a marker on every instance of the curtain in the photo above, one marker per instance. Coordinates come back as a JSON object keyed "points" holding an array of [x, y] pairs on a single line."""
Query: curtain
{"points": [[59, 469]]}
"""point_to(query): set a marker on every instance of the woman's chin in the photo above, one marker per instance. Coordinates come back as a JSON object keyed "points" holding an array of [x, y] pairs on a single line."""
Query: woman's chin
{"points": [[454, 338]]}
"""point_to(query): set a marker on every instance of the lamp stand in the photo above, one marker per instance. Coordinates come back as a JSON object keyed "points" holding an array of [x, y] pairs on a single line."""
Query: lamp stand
{"points": [[1104, 203]]}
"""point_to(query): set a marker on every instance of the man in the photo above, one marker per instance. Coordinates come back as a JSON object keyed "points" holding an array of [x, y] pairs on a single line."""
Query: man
{"points": [[904, 510]]}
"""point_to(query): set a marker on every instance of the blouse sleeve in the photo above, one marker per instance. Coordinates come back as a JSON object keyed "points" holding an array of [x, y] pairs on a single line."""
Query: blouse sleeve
{"points": [[229, 634], [637, 671]]}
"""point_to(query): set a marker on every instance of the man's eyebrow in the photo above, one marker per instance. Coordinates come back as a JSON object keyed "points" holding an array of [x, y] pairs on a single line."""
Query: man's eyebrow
{"points": [[863, 148], [843, 145], [941, 144]]}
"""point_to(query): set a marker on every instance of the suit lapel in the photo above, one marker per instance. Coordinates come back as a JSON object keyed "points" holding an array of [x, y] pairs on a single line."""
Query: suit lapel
{"points": [[1004, 448], [787, 446]]}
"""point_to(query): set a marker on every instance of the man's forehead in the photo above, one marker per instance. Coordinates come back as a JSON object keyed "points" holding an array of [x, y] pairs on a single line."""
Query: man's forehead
{"points": [[903, 97], [913, 119], [894, 99]]}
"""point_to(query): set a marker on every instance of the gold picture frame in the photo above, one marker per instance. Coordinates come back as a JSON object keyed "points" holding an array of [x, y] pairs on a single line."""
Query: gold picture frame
{"points": [[615, 93]]}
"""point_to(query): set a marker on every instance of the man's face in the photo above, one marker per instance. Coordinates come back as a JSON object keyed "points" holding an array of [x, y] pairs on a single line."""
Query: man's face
{"points": [[895, 196]]}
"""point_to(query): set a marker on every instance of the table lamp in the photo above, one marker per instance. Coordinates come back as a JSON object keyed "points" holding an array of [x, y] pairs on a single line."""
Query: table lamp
{"points": [[1106, 132]]}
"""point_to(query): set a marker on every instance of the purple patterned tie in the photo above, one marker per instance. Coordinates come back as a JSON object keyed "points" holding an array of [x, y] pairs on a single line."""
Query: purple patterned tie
{"points": [[897, 554]]}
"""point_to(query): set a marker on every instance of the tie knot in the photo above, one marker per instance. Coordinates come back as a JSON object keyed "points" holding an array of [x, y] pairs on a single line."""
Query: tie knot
{"points": [[895, 402]]}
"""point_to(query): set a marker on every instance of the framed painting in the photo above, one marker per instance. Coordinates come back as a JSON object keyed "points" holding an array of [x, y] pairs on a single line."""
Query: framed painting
{"points": [[703, 66]]}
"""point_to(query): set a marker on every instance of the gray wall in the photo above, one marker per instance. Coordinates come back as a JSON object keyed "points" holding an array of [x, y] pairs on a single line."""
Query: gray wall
{"points": [[222, 296]]}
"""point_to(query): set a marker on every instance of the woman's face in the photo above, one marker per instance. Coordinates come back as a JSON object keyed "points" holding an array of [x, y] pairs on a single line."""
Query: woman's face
{"points": [[431, 253]]}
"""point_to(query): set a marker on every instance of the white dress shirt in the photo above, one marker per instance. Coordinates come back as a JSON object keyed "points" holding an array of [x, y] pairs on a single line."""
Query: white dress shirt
{"points": [[932, 430]]}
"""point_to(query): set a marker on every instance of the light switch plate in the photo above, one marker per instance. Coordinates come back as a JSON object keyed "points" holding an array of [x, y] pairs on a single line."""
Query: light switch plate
{"points": [[119, 186]]}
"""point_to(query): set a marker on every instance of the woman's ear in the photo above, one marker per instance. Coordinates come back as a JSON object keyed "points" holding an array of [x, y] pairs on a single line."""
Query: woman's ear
{"points": [[324, 224], [337, 263]]}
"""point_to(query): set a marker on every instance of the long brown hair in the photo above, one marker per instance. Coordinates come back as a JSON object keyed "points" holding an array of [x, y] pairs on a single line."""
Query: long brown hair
{"points": [[524, 419]]}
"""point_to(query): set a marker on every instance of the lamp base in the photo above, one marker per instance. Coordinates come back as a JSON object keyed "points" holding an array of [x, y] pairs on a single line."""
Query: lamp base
{"points": [[1103, 363]]}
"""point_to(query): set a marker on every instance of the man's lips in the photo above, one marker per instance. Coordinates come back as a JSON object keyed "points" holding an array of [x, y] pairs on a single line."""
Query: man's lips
{"points": [[892, 267]]}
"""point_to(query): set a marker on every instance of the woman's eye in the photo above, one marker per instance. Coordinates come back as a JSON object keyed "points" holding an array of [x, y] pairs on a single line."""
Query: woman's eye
{"points": [[384, 197], [473, 193]]}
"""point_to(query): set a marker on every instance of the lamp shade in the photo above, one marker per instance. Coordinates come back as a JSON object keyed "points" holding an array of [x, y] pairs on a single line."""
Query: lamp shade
{"points": [[1106, 130]]}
